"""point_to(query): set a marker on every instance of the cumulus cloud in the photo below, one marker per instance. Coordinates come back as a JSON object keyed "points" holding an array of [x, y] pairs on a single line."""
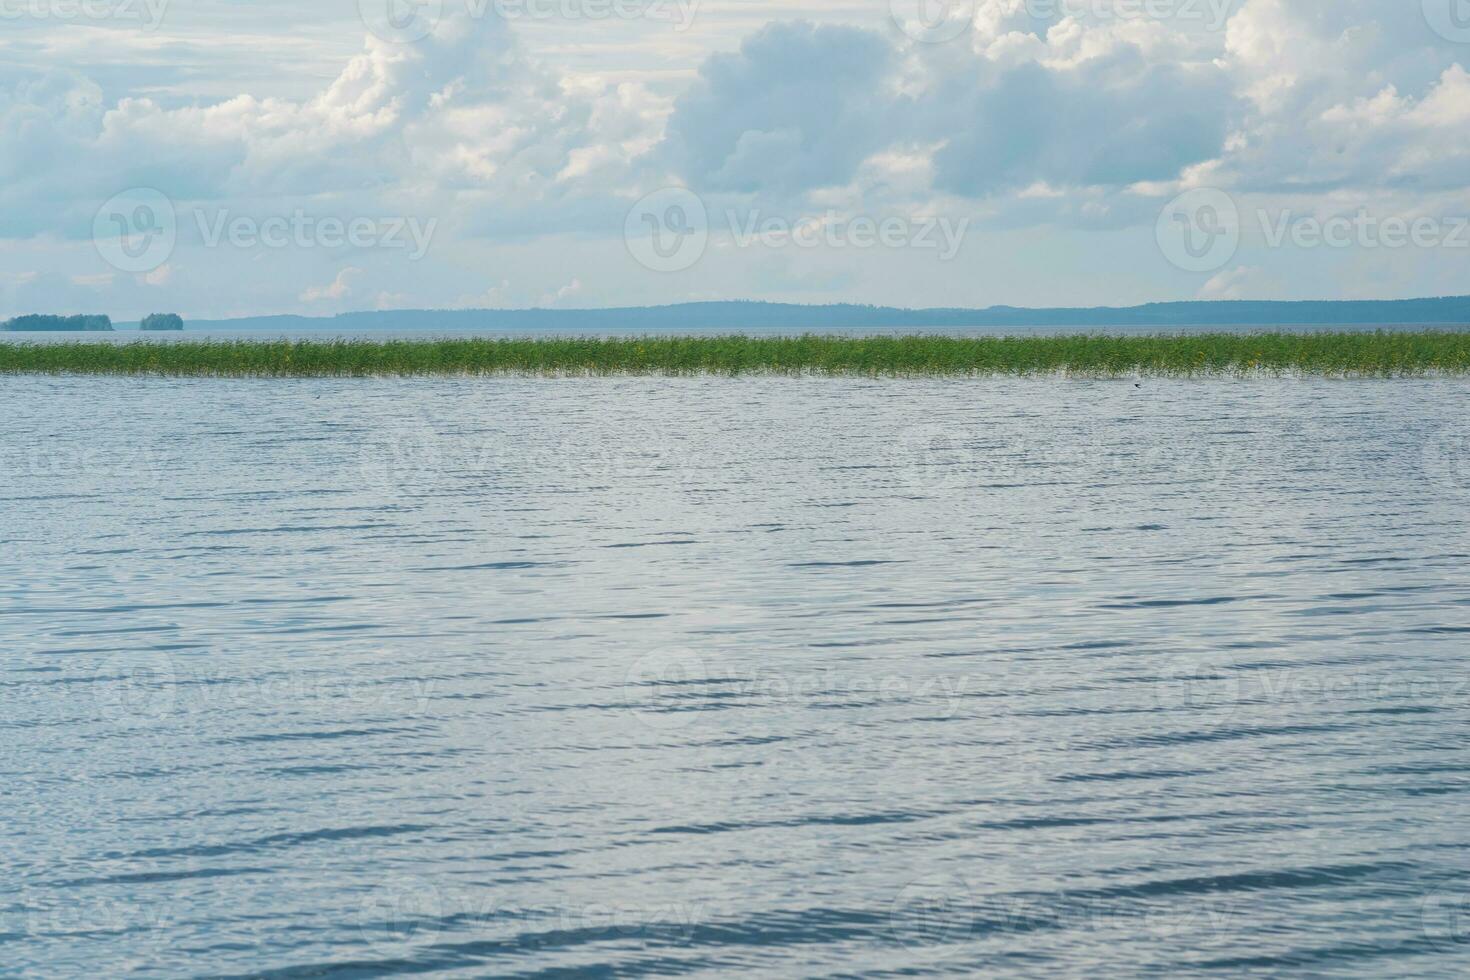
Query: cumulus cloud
{"points": [[338, 288], [1291, 93], [1238, 282], [1083, 121], [462, 116], [1353, 94], [48, 123], [1066, 113], [556, 296], [798, 106]]}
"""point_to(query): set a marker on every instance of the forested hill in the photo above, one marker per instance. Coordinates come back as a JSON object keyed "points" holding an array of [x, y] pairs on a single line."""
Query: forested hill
{"points": [[737, 316], [79, 324]]}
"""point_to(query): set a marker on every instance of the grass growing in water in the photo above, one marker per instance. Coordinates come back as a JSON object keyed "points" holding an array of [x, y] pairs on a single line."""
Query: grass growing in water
{"points": [[1381, 354]]}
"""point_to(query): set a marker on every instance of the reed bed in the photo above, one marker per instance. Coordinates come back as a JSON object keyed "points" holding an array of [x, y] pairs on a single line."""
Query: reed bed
{"points": [[1355, 354]]}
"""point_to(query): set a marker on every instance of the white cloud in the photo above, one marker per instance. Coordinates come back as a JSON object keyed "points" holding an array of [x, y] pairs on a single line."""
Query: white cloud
{"points": [[1240, 282], [1065, 128], [495, 297], [799, 106], [556, 296], [338, 288], [462, 118]]}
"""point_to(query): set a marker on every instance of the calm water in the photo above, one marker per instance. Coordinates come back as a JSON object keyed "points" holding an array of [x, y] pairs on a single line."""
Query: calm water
{"points": [[792, 677]]}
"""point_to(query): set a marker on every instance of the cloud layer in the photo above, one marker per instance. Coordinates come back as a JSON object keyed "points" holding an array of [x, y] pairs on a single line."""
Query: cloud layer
{"points": [[1067, 123]]}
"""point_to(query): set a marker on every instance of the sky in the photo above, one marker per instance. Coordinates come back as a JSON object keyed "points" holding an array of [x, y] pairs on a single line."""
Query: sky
{"points": [[223, 158]]}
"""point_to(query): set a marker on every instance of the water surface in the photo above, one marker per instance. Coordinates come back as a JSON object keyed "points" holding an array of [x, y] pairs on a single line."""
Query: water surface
{"points": [[688, 677]]}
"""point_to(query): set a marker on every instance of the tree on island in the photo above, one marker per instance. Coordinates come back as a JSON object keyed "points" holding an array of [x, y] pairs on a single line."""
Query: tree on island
{"points": [[162, 321], [77, 324]]}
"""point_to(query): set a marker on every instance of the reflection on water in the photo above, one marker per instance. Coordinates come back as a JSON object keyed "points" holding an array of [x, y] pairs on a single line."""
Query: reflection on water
{"points": [[793, 677]]}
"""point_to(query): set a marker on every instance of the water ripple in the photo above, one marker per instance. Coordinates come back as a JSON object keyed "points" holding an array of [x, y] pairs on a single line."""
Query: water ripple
{"points": [[664, 677]]}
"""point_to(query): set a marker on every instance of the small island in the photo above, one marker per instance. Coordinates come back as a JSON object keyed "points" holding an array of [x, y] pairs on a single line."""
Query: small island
{"points": [[77, 324], [162, 321]]}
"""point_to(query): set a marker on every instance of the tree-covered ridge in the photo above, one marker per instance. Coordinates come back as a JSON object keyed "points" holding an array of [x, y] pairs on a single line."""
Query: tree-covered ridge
{"points": [[162, 321], [740, 316], [78, 324]]}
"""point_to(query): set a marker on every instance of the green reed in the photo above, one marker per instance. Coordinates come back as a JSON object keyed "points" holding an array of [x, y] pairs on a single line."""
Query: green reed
{"points": [[1365, 354]]}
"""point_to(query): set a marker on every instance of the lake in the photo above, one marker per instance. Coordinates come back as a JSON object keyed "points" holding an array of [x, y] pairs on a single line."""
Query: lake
{"points": [[697, 676]]}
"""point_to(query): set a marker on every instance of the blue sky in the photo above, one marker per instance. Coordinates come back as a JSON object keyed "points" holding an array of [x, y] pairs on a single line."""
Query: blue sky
{"points": [[228, 158]]}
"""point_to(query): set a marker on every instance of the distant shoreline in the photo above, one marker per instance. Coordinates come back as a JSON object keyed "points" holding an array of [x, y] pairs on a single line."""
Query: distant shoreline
{"points": [[1451, 311], [1378, 354]]}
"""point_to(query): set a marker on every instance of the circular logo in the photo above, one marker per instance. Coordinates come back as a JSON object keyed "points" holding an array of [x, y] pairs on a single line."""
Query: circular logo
{"points": [[665, 688], [405, 455], [140, 687], [933, 21], [1199, 231], [1446, 920], [668, 230], [935, 459], [1450, 19], [1446, 460], [401, 913], [401, 21], [1200, 688], [136, 231], [932, 911]]}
